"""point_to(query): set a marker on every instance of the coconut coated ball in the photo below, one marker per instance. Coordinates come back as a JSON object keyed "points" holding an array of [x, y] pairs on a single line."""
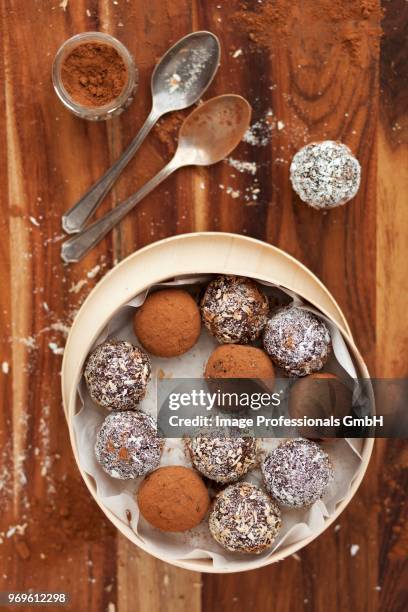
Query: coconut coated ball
{"points": [[234, 309], [325, 174], [173, 498], [223, 459], [116, 374], [297, 473], [297, 341], [127, 445], [168, 324], [244, 519]]}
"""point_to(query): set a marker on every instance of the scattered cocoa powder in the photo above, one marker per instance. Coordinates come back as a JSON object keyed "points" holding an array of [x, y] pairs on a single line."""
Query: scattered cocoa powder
{"points": [[167, 130], [94, 74], [352, 26]]}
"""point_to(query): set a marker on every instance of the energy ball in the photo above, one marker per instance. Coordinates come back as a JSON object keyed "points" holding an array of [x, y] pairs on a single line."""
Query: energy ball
{"points": [[244, 519], [234, 310], [168, 323], [297, 341], [237, 361], [127, 445], [173, 498], [117, 374], [325, 174], [319, 396], [297, 473], [223, 459]]}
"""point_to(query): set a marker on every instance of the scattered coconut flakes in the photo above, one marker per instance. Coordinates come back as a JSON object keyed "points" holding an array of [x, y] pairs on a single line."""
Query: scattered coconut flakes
{"points": [[60, 327], [111, 607], [63, 4], [92, 273], [29, 342], [234, 193], [242, 166], [76, 287], [237, 53], [57, 350], [18, 529], [34, 221], [354, 548], [260, 132], [280, 125], [46, 307], [337, 528], [5, 367], [88, 13]]}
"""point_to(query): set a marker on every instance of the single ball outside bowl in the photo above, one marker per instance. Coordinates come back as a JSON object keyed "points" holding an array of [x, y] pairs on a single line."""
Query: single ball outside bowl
{"points": [[325, 174]]}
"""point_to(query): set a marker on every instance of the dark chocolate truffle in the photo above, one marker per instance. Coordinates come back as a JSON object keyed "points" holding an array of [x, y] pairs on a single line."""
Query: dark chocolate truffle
{"points": [[297, 341], [319, 396], [237, 361], [223, 459], [127, 445], [325, 174], [168, 323], [117, 374], [234, 309], [173, 498], [244, 519], [297, 473]]}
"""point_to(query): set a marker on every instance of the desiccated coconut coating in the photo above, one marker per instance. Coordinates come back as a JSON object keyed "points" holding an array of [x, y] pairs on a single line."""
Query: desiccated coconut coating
{"points": [[117, 374], [244, 519], [234, 309], [325, 174], [223, 459], [127, 445], [297, 473], [297, 341]]}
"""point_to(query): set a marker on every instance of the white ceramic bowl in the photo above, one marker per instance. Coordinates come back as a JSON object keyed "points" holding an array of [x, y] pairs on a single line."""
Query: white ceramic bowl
{"points": [[191, 254]]}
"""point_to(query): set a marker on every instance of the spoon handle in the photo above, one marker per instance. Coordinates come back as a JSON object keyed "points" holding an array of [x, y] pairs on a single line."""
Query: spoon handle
{"points": [[75, 218], [76, 247]]}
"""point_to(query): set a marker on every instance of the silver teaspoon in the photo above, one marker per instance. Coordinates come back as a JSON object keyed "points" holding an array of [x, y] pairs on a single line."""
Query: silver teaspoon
{"points": [[178, 81], [206, 137]]}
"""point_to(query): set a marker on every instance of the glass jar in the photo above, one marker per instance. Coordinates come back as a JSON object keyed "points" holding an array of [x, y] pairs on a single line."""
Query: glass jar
{"points": [[115, 106]]}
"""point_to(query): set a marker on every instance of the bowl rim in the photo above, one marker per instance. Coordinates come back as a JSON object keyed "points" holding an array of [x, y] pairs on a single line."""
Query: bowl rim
{"points": [[70, 395]]}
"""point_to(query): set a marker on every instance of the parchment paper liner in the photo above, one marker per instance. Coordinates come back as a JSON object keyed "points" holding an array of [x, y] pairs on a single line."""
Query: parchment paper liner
{"points": [[118, 495]]}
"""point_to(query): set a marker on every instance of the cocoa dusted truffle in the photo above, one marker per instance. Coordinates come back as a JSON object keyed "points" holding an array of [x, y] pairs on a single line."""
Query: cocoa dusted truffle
{"points": [[325, 174], [127, 445], [237, 361], [244, 519], [319, 396], [173, 498], [168, 323], [234, 309], [297, 341], [117, 374], [223, 459], [297, 473]]}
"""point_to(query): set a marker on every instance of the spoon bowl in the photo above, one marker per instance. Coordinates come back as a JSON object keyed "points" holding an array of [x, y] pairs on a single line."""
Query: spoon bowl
{"points": [[185, 72], [208, 135], [213, 130]]}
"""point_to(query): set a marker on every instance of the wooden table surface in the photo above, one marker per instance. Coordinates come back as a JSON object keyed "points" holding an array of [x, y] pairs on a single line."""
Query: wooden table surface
{"points": [[312, 70]]}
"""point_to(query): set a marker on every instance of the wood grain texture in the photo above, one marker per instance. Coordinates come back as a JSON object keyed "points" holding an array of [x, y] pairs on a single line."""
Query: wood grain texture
{"points": [[305, 80]]}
